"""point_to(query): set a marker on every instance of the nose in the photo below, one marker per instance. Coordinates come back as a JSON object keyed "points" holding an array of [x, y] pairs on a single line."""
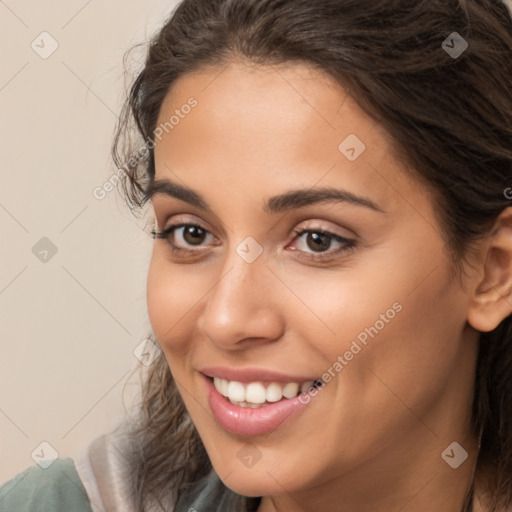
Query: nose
{"points": [[241, 310]]}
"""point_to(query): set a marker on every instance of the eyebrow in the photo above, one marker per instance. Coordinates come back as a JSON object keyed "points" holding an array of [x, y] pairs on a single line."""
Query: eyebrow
{"points": [[281, 203]]}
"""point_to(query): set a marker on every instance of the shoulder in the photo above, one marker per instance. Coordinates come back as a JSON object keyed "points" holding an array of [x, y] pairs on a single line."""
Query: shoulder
{"points": [[54, 489]]}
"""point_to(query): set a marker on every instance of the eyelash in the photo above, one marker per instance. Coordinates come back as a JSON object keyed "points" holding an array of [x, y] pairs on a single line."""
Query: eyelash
{"points": [[349, 244]]}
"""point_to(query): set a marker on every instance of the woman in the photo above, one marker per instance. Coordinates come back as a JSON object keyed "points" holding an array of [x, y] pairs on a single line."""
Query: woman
{"points": [[331, 277]]}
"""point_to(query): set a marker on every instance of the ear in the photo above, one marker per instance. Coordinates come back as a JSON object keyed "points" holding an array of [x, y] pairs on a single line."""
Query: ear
{"points": [[491, 298]]}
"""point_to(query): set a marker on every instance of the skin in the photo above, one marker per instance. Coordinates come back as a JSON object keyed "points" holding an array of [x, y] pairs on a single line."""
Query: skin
{"points": [[373, 437]]}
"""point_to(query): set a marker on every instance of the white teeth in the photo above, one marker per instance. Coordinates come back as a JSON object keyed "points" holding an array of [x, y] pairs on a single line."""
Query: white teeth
{"points": [[218, 385], [236, 391], [275, 392], [305, 386], [224, 387], [290, 390], [254, 394]]}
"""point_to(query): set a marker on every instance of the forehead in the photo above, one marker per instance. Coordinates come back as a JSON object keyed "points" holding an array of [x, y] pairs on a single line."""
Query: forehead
{"points": [[271, 127]]}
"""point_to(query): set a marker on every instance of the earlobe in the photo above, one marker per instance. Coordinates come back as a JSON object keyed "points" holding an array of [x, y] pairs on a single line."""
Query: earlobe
{"points": [[491, 300]]}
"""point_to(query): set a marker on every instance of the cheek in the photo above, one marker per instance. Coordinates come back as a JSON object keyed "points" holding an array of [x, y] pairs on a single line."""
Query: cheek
{"points": [[159, 300], [170, 299], [387, 317], [412, 358]]}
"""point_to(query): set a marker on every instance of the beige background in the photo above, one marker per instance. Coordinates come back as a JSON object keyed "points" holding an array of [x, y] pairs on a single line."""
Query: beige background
{"points": [[68, 327]]}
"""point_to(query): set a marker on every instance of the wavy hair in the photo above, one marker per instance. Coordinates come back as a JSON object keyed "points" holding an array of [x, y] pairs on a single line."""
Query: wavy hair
{"points": [[450, 120]]}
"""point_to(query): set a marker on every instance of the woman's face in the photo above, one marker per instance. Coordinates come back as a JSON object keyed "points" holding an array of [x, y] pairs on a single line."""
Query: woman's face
{"points": [[249, 299]]}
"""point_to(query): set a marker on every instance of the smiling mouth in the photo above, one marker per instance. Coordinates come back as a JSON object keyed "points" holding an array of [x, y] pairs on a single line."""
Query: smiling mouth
{"points": [[258, 394]]}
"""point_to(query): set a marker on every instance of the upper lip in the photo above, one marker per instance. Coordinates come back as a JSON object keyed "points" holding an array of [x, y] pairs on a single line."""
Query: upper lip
{"points": [[252, 374]]}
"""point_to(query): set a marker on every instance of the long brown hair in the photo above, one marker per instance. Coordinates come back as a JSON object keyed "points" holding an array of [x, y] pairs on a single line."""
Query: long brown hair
{"points": [[450, 119]]}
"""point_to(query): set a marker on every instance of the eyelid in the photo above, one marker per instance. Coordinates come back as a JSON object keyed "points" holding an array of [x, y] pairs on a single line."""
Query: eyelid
{"points": [[174, 226], [348, 245], [168, 213], [311, 225], [324, 225], [179, 220]]}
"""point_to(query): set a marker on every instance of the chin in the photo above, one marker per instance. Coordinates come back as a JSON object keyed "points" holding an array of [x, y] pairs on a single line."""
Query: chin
{"points": [[253, 487], [255, 482]]}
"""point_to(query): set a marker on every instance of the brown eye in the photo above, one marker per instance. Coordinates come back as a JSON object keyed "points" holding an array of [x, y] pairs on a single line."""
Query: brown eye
{"points": [[318, 241], [193, 234], [317, 244], [182, 236]]}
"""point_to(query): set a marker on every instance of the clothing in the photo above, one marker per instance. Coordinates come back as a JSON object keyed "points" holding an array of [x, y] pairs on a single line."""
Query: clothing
{"points": [[96, 481], [54, 489]]}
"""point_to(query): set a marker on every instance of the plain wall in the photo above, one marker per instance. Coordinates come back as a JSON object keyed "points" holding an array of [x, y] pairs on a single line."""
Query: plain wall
{"points": [[69, 325]]}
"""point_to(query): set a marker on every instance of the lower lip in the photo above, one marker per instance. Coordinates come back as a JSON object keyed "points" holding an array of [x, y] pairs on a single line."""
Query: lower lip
{"points": [[250, 421]]}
